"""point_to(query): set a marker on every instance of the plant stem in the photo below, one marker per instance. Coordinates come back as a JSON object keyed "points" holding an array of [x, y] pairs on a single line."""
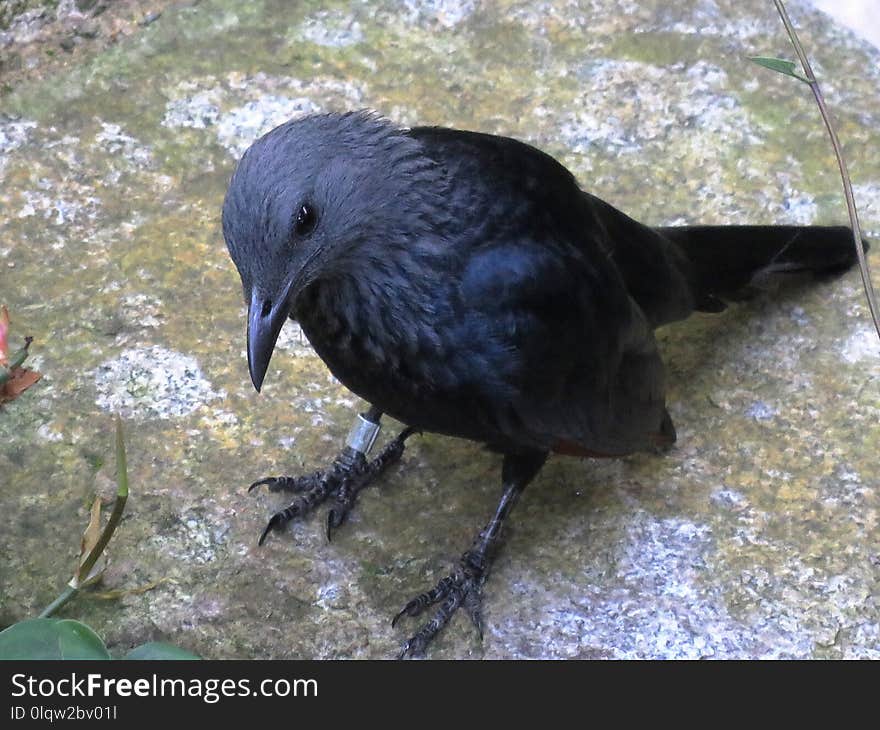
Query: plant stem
{"points": [[86, 566], [68, 593], [841, 163]]}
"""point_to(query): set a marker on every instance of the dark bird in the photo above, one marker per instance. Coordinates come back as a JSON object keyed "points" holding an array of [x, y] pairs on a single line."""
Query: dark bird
{"points": [[465, 285]]}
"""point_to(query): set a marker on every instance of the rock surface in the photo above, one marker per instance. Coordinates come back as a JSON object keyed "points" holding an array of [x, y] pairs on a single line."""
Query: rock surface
{"points": [[756, 537]]}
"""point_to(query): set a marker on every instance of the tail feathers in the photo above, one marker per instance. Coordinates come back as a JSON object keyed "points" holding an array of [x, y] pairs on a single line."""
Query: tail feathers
{"points": [[726, 260]]}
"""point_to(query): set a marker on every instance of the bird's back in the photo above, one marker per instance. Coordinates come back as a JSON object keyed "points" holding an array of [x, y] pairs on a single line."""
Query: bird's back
{"points": [[507, 188]]}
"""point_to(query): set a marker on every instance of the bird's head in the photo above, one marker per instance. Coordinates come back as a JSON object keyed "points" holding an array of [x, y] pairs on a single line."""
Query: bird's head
{"points": [[306, 199]]}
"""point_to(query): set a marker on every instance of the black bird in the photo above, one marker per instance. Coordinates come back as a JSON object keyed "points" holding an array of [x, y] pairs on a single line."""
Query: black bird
{"points": [[464, 284]]}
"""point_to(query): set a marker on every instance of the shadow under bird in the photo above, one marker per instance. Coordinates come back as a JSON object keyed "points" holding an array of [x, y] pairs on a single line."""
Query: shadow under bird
{"points": [[465, 285]]}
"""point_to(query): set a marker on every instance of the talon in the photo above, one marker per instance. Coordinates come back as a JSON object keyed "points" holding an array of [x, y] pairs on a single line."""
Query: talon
{"points": [[414, 607], [405, 434], [276, 519], [425, 600], [336, 516], [333, 521], [267, 481], [460, 589], [285, 484], [399, 616]]}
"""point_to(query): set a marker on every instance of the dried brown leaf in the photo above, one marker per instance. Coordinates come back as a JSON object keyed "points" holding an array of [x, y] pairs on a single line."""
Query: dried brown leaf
{"points": [[93, 529], [90, 537], [14, 379], [19, 381]]}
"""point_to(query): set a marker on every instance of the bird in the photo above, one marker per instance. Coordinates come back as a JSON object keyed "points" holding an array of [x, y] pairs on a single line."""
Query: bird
{"points": [[465, 284]]}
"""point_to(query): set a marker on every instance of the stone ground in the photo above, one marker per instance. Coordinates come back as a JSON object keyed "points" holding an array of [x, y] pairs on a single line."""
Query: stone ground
{"points": [[756, 537]]}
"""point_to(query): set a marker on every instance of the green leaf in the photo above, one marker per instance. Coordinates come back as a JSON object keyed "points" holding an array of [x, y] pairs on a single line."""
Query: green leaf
{"points": [[780, 65], [154, 650], [49, 638]]}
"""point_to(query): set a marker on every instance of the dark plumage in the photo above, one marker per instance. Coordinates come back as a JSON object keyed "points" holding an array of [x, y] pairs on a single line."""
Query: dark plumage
{"points": [[464, 284]]}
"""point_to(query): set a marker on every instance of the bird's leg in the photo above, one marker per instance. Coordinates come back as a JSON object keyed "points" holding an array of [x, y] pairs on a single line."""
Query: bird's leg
{"points": [[463, 586], [349, 489], [346, 477]]}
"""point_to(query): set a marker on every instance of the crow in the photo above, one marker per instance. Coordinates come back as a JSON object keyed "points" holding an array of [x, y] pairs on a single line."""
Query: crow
{"points": [[464, 284]]}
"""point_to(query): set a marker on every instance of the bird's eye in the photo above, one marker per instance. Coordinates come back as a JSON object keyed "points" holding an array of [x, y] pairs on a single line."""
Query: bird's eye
{"points": [[306, 219]]}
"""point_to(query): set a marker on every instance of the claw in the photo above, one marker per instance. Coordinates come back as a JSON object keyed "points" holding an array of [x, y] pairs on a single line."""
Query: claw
{"points": [[267, 481], [414, 648], [285, 484], [460, 589], [337, 514], [274, 521], [334, 520], [399, 616], [413, 608]]}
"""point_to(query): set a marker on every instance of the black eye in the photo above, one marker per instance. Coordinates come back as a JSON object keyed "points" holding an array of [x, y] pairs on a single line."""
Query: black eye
{"points": [[306, 219]]}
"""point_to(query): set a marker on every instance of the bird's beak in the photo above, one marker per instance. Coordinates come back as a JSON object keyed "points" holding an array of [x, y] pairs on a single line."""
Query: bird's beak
{"points": [[265, 320]]}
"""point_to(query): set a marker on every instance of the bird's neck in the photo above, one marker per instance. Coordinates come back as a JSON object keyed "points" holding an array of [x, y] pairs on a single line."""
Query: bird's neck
{"points": [[376, 314]]}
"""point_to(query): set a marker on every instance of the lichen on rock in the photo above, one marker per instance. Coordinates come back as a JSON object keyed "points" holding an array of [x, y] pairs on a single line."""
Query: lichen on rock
{"points": [[152, 382]]}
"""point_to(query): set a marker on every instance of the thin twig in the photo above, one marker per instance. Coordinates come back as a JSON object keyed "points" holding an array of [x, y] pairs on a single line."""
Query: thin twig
{"points": [[841, 163]]}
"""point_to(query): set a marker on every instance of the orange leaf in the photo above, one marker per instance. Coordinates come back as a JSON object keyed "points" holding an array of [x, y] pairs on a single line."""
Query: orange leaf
{"points": [[21, 380]]}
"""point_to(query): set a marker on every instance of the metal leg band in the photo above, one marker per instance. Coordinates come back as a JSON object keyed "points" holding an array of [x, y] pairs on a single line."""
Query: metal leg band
{"points": [[362, 435]]}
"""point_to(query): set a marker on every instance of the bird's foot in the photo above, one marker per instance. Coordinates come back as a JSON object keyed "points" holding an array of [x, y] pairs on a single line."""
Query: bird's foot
{"points": [[346, 477], [461, 588], [313, 489]]}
